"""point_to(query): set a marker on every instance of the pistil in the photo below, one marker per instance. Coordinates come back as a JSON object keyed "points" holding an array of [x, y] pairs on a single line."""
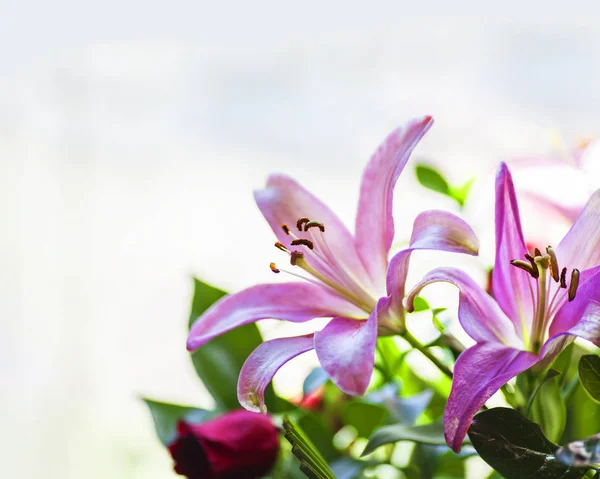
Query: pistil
{"points": [[542, 263], [542, 268]]}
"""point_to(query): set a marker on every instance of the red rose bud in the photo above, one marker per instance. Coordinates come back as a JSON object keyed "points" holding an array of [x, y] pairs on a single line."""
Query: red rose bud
{"points": [[237, 445]]}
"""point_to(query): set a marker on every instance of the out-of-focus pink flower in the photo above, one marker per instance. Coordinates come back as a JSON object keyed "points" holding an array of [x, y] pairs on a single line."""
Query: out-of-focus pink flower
{"points": [[346, 277], [573, 174], [537, 310], [237, 445]]}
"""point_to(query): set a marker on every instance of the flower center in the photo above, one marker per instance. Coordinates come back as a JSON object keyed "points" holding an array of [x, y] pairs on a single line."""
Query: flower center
{"points": [[538, 267], [314, 255]]}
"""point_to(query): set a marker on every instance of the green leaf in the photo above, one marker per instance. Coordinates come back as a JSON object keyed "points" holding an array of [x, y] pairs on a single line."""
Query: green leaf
{"points": [[218, 363], [315, 379], [548, 407], [420, 304], [347, 467], [166, 416], [432, 433], [583, 414], [319, 432], [589, 375], [205, 296], [438, 462], [431, 179], [363, 416], [311, 462], [460, 193], [516, 447]]}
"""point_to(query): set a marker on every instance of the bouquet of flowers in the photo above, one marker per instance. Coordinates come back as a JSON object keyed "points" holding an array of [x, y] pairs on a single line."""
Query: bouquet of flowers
{"points": [[369, 410]]}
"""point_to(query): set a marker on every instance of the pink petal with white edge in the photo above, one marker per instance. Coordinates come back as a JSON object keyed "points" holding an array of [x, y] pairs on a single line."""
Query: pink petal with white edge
{"points": [[570, 313], [346, 351], [478, 373], [374, 220], [511, 285], [260, 367], [580, 248], [478, 313], [284, 201], [583, 322], [296, 302], [432, 229]]}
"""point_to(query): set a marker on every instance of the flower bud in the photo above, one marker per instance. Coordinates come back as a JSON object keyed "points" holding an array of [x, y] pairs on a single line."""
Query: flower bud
{"points": [[239, 444]]}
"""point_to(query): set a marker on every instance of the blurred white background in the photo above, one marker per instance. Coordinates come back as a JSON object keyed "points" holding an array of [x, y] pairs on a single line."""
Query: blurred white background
{"points": [[132, 136]]}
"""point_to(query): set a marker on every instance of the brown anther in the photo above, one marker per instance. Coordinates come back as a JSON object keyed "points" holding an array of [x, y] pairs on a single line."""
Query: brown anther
{"points": [[301, 222], [285, 228], [280, 246], [295, 256], [553, 264], [316, 224], [563, 278], [574, 284], [274, 268], [525, 266], [301, 241], [531, 259], [537, 252]]}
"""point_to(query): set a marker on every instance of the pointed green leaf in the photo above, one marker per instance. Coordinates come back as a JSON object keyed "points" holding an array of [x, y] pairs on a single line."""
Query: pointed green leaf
{"points": [[460, 193], [205, 296], [218, 363], [431, 179], [420, 304], [165, 417], [589, 375], [516, 447], [311, 462], [363, 416], [432, 433], [548, 407]]}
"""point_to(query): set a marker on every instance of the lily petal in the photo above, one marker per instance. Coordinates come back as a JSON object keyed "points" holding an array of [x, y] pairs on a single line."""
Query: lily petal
{"points": [[284, 201], [570, 314], [346, 351], [432, 229], [479, 372], [296, 302], [511, 286], [580, 248], [478, 313], [374, 221], [260, 367], [588, 327]]}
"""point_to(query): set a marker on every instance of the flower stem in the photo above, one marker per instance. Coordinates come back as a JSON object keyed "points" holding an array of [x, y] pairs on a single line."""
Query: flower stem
{"points": [[414, 342]]}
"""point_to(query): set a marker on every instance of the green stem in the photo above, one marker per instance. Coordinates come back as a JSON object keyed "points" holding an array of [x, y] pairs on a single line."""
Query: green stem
{"points": [[414, 342]]}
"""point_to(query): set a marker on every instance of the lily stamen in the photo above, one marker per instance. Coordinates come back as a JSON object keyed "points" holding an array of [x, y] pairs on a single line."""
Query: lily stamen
{"points": [[544, 307], [301, 241], [518, 263], [301, 221], [574, 284], [554, 269], [314, 224], [563, 278]]}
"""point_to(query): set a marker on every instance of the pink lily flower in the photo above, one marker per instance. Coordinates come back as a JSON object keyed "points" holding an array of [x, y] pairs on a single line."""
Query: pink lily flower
{"points": [[538, 309], [346, 277], [575, 164]]}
